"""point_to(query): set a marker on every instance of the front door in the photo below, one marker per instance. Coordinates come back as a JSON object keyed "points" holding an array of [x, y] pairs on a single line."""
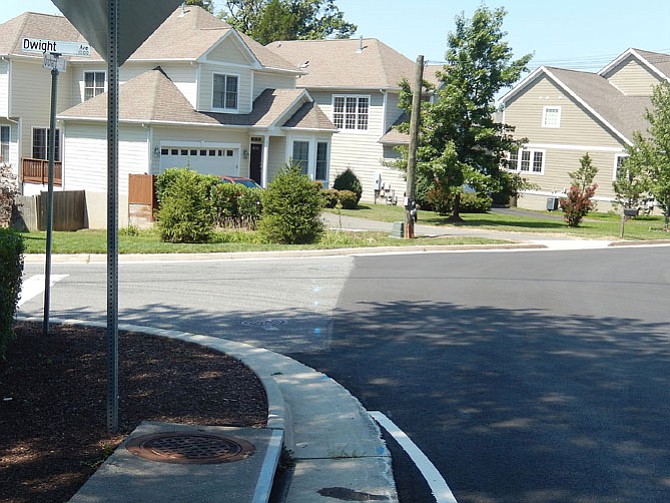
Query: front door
{"points": [[256, 162]]}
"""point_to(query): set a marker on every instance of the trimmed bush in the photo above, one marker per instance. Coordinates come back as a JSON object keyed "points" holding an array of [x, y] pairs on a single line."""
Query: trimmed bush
{"points": [[11, 269], [348, 199], [475, 203], [347, 180], [291, 209], [9, 189], [185, 214], [329, 197]]}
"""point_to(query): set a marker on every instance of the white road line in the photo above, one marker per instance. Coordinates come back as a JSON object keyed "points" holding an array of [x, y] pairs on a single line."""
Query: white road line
{"points": [[437, 484], [34, 286]]}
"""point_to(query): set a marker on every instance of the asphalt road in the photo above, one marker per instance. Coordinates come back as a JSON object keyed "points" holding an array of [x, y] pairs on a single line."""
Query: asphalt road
{"points": [[524, 376]]}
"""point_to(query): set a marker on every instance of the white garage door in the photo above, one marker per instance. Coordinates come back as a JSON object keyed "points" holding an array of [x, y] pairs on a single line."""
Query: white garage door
{"points": [[209, 161]]}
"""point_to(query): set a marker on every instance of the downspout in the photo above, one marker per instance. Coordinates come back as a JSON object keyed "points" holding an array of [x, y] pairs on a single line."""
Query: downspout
{"points": [[266, 160]]}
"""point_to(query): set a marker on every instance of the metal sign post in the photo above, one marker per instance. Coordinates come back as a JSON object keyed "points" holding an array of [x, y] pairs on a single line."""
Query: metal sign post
{"points": [[101, 22]]}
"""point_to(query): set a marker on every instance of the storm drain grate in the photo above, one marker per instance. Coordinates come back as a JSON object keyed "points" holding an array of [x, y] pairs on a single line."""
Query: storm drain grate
{"points": [[266, 324], [190, 448]]}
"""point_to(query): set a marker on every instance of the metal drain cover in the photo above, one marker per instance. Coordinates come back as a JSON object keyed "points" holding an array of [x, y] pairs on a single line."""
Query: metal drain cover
{"points": [[190, 448], [266, 324]]}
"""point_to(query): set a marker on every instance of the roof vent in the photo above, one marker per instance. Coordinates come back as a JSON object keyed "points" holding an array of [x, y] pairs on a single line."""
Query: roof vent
{"points": [[305, 64], [183, 9], [360, 45]]}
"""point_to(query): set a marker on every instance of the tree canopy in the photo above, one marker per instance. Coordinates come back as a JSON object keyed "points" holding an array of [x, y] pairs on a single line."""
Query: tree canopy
{"points": [[205, 4], [460, 141], [269, 20]]}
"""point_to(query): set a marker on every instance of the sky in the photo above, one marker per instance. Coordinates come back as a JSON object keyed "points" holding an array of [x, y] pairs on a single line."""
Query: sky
{"points": [[576, 34]]}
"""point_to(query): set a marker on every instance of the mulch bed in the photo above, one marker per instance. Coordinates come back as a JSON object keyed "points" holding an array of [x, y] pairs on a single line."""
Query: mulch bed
{"points": [[53, 408]]}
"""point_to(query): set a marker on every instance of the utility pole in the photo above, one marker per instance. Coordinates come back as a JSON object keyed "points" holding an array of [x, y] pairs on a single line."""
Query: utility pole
{"points": [[415, 122]]}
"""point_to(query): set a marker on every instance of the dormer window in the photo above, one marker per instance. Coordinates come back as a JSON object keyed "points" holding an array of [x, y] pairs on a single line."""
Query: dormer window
{"points": [[551, 117], [94, 84], [225, 91]]}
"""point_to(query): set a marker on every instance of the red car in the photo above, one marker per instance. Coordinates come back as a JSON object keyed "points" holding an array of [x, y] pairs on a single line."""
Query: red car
{"points": [[247, 182]]}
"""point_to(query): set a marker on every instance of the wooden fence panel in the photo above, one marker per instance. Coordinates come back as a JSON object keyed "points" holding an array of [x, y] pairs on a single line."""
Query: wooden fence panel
{"points": [[141, 199]]}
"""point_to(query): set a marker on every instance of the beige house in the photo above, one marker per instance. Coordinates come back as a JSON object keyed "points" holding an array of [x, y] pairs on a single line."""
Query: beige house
{"points": [[197, 93], [564, 114], [356, 83]]}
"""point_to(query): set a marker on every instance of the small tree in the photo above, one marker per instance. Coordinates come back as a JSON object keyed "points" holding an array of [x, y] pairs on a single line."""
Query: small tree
{"points": [[631, 184], [579, 201], [291, 208], [347, 180], [654, 148], [185, 214]]}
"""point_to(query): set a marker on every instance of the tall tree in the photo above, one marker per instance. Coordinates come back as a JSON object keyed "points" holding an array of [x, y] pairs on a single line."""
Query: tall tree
{"points": [[268, 20], [654, 148], [461, 142]]}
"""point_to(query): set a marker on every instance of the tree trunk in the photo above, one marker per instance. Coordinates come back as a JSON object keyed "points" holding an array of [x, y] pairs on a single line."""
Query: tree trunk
{"points": [[456, 214]]}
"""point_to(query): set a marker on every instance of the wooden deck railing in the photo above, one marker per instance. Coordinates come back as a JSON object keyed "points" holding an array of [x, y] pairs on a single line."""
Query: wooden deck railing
{"points": [[37, 171]]}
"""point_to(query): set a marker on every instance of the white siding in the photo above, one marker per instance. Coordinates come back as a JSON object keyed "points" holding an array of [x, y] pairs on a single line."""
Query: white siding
{"points": [[244, 86], [361, 150], [266, 80], [31, 99], [4, 89], [85, 156]]}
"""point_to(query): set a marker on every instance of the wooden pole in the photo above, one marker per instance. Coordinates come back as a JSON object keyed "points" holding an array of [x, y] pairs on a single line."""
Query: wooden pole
{"points": [[415, 122]]}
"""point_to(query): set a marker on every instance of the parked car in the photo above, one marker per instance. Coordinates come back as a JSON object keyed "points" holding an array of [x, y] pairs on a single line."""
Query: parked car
{"points": [[247, 182]]}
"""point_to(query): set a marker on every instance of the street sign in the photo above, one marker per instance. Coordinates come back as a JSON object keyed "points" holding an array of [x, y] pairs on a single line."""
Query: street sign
{"points": [[53, 62], [39, 45]]}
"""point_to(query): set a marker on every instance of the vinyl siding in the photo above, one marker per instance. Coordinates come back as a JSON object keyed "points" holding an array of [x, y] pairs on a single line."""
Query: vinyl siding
{"points": [[244, 86], [265, 80], [228, 51], [276, 157], [361, 150], [31, 99], [85, 156], [4, 89], [577, 126], [632, 78]]}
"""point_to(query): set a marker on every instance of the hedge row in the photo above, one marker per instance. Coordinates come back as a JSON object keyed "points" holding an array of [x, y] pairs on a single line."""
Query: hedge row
{"points": [[11, 269]]}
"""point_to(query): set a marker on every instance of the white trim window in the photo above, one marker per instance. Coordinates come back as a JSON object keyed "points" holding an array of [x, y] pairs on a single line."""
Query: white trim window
{"points": [[41, 143], [5, 135], [301, 155], [551, 117], [351, 112], [321, 172], [225, 91], [619, 160], [527, 161], [94, 84]]}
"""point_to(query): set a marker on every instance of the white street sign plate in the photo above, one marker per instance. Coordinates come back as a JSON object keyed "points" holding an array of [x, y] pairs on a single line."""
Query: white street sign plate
{"points": [[39, 45], [52, 62]]}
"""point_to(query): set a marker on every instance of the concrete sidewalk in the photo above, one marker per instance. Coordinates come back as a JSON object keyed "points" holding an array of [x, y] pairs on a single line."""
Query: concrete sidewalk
{"points": [[335, 445]]}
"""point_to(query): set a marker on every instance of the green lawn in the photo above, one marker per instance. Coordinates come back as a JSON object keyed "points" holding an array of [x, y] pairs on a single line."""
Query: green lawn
{"points": [[595, 226], [90, 241]]}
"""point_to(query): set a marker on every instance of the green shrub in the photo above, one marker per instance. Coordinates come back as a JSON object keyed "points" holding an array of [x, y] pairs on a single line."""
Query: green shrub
{"points": [[440, 199], [250, 207], [11, 269], [291, 209], [185, 214], [165, 180], [347, 199], [9, 189], [329, 197], [347, 180], [475, 203]]}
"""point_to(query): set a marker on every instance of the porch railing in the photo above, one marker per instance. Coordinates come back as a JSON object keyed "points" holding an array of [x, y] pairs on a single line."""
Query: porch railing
{"points": [[37, 171]]}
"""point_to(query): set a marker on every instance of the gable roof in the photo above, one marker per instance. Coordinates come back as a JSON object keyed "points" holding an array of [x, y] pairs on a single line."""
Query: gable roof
{"points": [[152, 98], [620, 114], [346, 63], [187, 34], [656, 62]]}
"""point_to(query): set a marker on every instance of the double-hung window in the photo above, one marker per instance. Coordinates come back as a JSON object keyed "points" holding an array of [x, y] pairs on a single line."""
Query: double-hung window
{"points": [[321, 161], [225, 92], [4, 143], [301, 155], [351, 112], [94, 84], [41, 143], [527, 161]]}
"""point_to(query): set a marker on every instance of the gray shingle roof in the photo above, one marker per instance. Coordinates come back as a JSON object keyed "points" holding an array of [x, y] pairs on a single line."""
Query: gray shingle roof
{"points": [[624, 113], [340, 63], [152, 97], [657, 59]]}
